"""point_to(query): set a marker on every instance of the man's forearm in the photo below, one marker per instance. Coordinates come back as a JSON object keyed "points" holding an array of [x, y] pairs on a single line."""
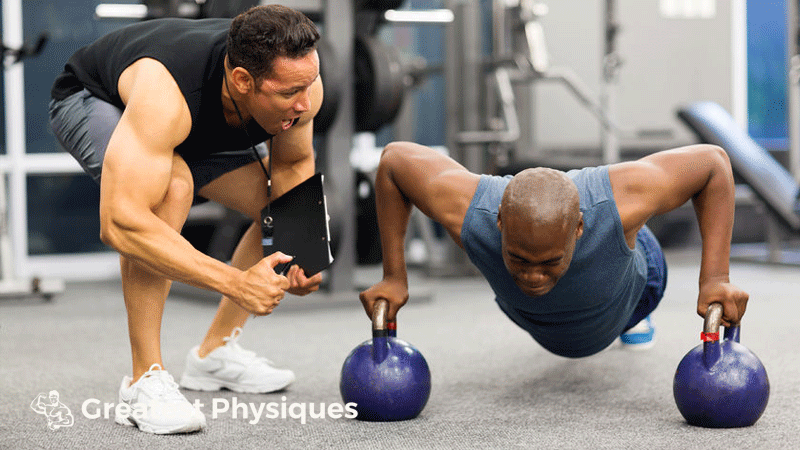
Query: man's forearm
{"points": [[164, 251], [714, 206], [393, 210]]}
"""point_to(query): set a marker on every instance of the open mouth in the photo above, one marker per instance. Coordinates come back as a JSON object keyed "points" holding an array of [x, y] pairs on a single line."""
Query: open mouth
{"points": [[286, 124]]}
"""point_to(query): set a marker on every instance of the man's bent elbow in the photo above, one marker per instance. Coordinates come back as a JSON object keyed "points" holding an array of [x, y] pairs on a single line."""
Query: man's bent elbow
{"points": [[396, 153], [113, 231], [392, 151], [716, 154], [109, 234]]}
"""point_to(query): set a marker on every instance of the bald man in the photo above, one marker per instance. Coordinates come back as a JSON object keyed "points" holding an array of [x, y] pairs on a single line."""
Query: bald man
{"points": [[567, 255]]}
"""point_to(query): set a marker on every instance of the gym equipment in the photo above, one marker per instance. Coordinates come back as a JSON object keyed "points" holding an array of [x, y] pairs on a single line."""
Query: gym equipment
{"points": [[386, 377], [332, 77], [380, 84], [520, 57], [720, 384], [369, 14], [368, 242], [793, 111], [771, 183], [15, 55], [377, 5], [11, 284]]}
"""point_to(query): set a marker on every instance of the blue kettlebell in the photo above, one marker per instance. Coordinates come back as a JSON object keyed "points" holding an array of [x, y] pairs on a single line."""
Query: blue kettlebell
{"points": [[387, 378], [720, 384]]}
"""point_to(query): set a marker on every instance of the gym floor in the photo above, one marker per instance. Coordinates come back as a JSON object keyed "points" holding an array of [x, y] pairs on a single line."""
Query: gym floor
{"points": [[493, 387]]}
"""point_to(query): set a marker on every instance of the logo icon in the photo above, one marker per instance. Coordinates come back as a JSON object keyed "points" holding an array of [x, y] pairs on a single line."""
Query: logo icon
{"points": [[57, 413]]}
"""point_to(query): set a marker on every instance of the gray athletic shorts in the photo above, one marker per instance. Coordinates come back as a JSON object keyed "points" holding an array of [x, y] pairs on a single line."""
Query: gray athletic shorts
{"points": [[83, 124]]}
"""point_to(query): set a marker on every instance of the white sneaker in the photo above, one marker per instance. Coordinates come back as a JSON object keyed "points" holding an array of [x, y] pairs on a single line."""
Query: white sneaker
{"points": [[232, 367], [156, 405]]}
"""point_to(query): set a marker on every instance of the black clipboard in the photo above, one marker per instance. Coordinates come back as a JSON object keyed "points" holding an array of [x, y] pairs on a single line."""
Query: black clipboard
{"points": [[299, 227]]}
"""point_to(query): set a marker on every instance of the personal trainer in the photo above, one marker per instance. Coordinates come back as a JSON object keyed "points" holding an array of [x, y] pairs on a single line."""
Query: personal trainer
{"points": [[166, 111]]}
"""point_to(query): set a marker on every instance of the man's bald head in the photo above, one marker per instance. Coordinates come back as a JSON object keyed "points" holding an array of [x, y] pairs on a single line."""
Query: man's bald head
{"points": [[542, 196]]}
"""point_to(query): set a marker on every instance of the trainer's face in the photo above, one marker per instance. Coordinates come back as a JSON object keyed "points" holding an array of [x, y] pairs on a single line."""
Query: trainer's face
{"points": [[284, 95], [536, 257]]}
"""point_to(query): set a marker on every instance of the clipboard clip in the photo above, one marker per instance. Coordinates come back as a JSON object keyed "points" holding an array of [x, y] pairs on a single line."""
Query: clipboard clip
{"points": [[267, 229]]}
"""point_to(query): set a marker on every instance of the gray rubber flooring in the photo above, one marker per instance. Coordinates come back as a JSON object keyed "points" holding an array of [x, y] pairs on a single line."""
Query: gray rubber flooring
{"points": [[493, 387]]}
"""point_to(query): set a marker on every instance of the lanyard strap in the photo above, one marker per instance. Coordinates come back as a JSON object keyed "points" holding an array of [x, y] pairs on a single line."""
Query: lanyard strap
{"points": [[267, 173]]}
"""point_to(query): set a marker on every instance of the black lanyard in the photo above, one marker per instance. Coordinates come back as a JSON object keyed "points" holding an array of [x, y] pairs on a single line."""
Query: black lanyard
{"points": [[267, 218]]}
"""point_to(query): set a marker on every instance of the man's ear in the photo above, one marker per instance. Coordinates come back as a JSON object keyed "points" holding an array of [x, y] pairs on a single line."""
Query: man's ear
{"points": [[241, 80], [579, 228], [499, 221]]}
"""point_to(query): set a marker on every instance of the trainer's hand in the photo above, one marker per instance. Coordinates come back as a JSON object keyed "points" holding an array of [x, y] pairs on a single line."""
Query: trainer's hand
{"points": [[393, 291], [260, 288], [299, 284], [732, 299]]}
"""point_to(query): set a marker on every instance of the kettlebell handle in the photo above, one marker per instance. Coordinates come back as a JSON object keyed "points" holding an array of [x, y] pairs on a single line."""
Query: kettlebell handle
{"points": [[712, 322], [381, 326], [379, 312]]}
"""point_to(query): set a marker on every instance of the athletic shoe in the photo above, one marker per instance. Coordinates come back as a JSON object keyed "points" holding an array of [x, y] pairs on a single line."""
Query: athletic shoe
{"points": [[234, 368], [640, 337], [156, 405]]}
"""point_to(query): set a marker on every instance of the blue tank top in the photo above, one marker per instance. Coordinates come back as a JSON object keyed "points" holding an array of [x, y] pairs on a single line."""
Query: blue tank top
{"points": [[591, 304]]}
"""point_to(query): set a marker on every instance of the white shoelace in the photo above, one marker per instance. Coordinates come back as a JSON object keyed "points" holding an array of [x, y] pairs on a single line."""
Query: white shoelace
{"points": [[158, 383], [247, 356]]}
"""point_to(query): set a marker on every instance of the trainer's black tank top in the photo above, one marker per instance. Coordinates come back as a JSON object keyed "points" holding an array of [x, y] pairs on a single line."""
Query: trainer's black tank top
{"points": [[192, 50]]}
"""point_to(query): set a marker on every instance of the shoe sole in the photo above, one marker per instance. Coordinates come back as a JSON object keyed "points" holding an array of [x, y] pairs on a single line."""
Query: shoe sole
{"points": [[211, 384], [636, 346]]}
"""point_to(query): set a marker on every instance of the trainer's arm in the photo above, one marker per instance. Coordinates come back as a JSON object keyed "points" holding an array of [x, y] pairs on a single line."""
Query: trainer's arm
{"points": [[414, 175], [136, 178], [664, 181]]}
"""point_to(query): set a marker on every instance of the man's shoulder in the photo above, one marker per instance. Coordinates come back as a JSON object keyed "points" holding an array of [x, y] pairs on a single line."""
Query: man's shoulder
{"points": [[594, 185]]}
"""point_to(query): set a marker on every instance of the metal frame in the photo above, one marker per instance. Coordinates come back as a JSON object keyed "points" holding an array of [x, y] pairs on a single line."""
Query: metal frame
{"points": [[339, 21], [793, 45], [16, 273]]}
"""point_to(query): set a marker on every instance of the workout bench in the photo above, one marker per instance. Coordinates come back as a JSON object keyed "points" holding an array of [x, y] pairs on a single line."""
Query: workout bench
{"points": [[770, 181]]}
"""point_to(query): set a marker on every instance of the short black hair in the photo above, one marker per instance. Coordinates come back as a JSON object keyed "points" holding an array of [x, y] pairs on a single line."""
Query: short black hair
{"points": [[263, 33]]}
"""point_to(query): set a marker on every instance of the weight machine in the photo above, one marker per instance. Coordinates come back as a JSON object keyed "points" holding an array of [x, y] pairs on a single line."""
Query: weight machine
{"points": [[11, 285], [517, 60]]}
